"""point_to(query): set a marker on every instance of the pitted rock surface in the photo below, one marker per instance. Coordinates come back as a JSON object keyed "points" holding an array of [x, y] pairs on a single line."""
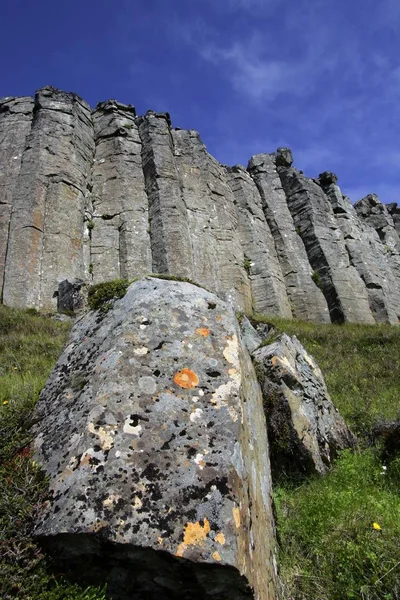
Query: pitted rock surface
{"points": [[152, 432], [305, 429]]}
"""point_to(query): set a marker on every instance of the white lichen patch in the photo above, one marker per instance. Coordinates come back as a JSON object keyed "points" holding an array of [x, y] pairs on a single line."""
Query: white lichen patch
{"points": [[221, 397], [105, 435], [196, 415], [132, 429], [141, 351], [231, 352], [112, 499], [137, 503], [199, 460]]}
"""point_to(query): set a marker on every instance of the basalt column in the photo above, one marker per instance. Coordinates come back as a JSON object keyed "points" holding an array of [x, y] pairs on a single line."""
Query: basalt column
{"points": [[15, 124], [217, 252], [367, 254], [46, 228], [169, 228], [266, 277], [306, 299], [313, 217], [118, 226]]}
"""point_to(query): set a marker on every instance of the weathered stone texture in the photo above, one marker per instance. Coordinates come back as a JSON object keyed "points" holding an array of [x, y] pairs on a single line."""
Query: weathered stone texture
{"points": [[306, 299], [367, 254], [267, 282], [375, 214], [46, 228], [120, 238], [217, 253], [152, 432], [305, 430], [169, 228], [313, 216], [394, 211], [15, 124]]}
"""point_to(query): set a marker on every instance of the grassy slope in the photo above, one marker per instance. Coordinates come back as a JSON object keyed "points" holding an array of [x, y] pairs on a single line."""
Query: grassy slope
{"points": [[29, 347], [330, 549]]}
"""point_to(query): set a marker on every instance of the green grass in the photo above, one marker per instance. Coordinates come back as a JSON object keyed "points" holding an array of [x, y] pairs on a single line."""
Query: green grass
{"points": [[329, 549], [29, 347], [361, 367]]}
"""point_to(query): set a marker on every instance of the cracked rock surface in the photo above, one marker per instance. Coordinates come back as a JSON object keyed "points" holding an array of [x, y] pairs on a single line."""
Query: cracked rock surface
{"points": [[151, 429], [305, 429]]}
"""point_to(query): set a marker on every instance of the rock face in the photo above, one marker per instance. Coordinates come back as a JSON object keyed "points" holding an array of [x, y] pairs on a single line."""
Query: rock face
{"points": [[305, 430], [151, 429], [100, 194]]}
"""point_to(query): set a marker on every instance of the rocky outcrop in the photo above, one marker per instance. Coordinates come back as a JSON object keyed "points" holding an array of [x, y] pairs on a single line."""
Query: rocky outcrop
{"points": [[15, 123], [45, 243], [267, 281], [151, 430], [103, 194], [118, 223], [306, 299], [313, 216], [366, 253], [305, 430]]}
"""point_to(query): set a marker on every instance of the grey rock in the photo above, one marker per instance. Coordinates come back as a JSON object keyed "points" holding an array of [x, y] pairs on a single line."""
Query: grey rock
{"points": [[267, 282], [151, 430], [213, 221], [305, 430], [306, 299], [250, 337], [169, 228], [72, 296], [394, 211], [376, 215], [368, 255], [46, 227], [15, 124], [119, 225], [284, 157], [343, 288]]}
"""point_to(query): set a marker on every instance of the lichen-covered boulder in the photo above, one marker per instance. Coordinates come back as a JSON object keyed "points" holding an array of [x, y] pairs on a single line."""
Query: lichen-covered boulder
{"points": [[304, 427], [151, 429]]}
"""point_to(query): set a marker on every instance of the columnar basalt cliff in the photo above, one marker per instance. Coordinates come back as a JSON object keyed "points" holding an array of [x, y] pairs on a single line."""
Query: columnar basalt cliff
{"points": [[96, 195]]}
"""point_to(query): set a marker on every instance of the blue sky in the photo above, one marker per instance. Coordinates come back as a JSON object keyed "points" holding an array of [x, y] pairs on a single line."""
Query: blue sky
{"points": [[319, 76]]}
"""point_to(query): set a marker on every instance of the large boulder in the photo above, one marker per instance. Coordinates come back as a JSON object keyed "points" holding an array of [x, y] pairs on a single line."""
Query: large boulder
{"points": [[305, 429], [151, 430]]}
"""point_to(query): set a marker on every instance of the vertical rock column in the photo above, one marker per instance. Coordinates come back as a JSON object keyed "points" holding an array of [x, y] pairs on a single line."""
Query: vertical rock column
{"points": [[371, 210], [119, 226], [217, 253], [46, 228], [313, 217], [306, 299], [151, 430], [15, 124], [266, 277], [169, 228], [367, 254]]}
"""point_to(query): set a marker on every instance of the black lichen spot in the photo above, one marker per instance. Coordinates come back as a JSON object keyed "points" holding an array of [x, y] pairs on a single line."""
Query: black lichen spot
{"points": [[213, 373], [211, 305]]}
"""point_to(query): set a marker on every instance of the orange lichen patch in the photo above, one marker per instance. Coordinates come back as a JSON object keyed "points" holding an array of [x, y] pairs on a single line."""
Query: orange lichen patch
{"points": [[216, 556], [220, 538], [194, 535], [85, 461], [203, 331], [186, 378], [236, 516]]}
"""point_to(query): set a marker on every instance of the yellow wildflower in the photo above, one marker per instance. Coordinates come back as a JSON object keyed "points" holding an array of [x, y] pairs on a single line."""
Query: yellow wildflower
{"points": [[5, 402], [376, 526]]}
